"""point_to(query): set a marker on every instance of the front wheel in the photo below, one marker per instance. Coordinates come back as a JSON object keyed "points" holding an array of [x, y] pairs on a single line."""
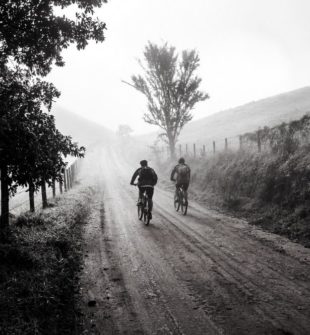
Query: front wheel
{"points": [[183, 204]]}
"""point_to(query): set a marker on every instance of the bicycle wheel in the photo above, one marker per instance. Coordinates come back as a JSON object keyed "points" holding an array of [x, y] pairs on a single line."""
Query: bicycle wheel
{"points": [[140, 212], [146, 217], [146, 214], [176, 202], [184, 204]]}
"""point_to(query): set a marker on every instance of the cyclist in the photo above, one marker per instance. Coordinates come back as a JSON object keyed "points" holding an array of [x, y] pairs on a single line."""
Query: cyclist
{"points": [[183, 177], [147, 179]]}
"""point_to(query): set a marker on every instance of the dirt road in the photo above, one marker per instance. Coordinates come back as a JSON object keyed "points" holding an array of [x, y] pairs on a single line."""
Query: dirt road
{"points": [[204, 273]]}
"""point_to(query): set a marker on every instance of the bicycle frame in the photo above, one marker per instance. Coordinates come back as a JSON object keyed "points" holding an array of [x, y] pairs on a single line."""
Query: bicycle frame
{"points": [[143, 209], [180, 201]]}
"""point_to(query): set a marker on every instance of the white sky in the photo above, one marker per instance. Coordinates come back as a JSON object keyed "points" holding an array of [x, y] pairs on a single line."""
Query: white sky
{"points": [[249, 49]]}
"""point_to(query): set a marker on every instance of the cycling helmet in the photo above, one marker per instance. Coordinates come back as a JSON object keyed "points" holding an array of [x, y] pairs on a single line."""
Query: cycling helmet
{"points": [[181, 160], [143, 162]]}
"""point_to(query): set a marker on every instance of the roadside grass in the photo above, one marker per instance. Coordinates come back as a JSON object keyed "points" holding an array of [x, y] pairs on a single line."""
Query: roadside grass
{"points": [[271, 191], [39, 270]]}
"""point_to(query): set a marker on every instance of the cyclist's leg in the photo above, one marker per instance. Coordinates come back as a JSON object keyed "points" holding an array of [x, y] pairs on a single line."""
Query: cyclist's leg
{"points": [[185, 188], [140, 195], [150, 192], [177, 190]]}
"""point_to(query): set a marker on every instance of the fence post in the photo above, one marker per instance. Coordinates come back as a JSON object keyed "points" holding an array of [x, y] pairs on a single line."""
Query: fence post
{"points": [[226, 144], [180, 149], [240, 142], [204, 150], [259, 144], [194, 148], [70, 177], [214, 147]]}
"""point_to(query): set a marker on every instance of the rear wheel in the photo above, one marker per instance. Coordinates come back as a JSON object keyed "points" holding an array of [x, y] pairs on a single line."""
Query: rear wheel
{"points": [[140, 211], [176, 202], [183, 203], [147, 213], [146, 217]]}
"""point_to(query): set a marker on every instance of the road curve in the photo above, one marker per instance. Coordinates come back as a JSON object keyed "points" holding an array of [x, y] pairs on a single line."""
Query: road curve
{"points": [[204, 273]]}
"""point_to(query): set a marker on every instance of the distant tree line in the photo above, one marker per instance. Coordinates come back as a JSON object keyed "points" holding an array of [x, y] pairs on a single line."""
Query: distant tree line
{"points": [[32, 36]]}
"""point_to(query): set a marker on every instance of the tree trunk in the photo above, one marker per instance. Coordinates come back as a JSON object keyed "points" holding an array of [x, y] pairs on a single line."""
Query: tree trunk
{"points": [[4, 197], [31, 196], [65, 181], [54, 188], [172, 141], [43, 192], [60, 186]]}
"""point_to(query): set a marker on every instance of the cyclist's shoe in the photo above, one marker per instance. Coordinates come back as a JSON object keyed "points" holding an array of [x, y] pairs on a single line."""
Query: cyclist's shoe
{"points": [[139, 203]]}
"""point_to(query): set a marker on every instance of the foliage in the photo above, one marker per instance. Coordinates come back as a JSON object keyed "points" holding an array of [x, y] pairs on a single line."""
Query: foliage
{"points": [[21, 99], [285, 138], [34, 35], [31, 144], [270, 189], [171, 87]]}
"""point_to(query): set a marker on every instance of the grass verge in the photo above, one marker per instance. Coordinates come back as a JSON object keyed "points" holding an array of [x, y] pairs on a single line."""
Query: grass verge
{"points": [[268, 190], [39, 271]]}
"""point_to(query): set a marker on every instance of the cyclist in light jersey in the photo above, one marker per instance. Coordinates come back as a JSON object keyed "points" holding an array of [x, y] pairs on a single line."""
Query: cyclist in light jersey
{"points": [[183, 176]]}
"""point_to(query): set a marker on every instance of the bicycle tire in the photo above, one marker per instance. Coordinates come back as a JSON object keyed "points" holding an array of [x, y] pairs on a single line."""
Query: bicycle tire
{"points": [[140, 212], [184, 208], [146, 217], [176, 203], [183, 203]]}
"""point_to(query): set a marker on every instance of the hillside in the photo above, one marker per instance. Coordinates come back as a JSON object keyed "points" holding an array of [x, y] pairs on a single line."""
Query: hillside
{"points": [[249, 117], [81, 129]]}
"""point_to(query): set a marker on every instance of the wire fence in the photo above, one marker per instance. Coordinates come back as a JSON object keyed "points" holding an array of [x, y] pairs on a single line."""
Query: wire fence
{"points": [[285, 138]]}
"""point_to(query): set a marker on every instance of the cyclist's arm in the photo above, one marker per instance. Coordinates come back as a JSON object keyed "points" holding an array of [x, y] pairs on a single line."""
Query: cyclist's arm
{"points": [[135, 175], [172, 174], [155, 178]]}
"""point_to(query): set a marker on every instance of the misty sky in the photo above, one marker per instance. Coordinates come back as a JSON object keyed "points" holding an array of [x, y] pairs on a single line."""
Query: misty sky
{"points": [[249, 49]]}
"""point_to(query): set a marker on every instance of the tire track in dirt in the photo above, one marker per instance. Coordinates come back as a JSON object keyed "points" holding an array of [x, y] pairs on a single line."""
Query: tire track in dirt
{"points": [[230, 269], [148, 280], [200, 274]]}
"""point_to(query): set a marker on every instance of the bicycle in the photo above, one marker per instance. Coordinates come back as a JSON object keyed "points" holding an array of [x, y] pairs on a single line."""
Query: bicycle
{"points": [[144, 212], [180, 200]]}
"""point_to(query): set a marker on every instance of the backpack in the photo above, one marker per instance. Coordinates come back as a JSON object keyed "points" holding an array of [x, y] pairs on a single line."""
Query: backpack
{"points": [[147, 176], [183, 173]]}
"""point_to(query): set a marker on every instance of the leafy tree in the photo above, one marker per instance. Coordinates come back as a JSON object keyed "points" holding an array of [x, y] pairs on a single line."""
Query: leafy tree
{"points": [[45, 163], [21, 99], [171, 88], [34, 35]]}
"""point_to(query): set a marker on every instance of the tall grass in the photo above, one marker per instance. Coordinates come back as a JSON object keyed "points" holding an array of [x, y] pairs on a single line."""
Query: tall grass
{"points": [[39, 269]]}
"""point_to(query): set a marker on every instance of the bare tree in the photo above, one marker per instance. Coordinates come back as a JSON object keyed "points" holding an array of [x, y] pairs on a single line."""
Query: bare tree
{"points": [[171, 88]]}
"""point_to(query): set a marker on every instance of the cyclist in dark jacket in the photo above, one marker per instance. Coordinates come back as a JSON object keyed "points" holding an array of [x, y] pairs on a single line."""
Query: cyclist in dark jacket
{"points": [[183, 176], [147, 179]]}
